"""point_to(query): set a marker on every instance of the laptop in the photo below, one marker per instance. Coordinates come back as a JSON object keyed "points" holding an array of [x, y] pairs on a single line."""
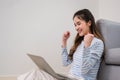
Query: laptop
{"points": [[42, 64]]}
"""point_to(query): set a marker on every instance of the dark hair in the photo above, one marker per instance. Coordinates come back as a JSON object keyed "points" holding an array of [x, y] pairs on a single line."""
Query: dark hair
{"points": [[87, 16]]}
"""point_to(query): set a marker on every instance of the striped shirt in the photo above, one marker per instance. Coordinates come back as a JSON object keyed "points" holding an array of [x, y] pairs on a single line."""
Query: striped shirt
{"points": [[86, 61]]}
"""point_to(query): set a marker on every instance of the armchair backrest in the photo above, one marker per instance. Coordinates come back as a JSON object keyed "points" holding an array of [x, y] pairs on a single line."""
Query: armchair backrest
{"points": [[110, 66], [111, 32]]}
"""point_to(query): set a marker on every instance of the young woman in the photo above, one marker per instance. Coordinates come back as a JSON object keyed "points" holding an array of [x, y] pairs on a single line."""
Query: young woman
{"points": [[85, 54]]}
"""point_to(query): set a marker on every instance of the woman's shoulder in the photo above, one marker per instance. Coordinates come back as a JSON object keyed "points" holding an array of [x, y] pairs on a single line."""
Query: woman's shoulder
{"points": [[97, 41]]}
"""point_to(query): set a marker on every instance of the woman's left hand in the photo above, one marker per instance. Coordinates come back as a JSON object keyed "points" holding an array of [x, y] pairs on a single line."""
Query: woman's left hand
{"points": [[88, 39]]}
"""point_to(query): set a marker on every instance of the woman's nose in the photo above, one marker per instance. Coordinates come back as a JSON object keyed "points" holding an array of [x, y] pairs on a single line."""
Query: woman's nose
{"points": [[77, 28]]}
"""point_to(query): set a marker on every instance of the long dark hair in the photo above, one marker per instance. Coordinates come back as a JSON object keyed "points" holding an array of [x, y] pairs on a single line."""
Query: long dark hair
{"points": [[87, 16]]}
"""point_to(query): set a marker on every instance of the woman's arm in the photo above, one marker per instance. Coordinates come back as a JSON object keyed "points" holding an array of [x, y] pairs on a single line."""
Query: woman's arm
{"points": [[95, 53], [65, 60]]}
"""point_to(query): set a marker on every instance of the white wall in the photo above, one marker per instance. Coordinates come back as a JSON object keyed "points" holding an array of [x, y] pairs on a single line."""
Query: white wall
{"points": [[109, 9], [36, 26]]}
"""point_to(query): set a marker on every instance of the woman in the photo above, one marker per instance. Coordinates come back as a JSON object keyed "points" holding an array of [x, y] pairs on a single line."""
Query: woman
{"points": [[85, 54]]}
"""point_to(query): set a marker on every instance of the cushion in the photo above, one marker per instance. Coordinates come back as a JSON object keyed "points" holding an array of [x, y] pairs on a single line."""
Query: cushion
{"points": [[113, 56]]}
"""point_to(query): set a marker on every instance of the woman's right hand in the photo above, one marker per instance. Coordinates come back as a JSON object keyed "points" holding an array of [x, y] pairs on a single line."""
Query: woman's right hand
{"points": [[65, 37]]}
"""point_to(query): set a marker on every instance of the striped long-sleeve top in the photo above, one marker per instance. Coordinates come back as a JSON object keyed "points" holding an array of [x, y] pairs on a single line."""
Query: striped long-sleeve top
{"points": [[86, 61]]}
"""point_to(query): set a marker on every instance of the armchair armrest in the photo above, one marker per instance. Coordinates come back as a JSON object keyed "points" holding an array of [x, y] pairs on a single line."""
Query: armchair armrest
{"points": [[113, 56]]}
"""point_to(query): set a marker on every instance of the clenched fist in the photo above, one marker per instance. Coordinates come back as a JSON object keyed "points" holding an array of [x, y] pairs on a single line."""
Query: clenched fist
{"points": [[65, 37], [88, 39]]}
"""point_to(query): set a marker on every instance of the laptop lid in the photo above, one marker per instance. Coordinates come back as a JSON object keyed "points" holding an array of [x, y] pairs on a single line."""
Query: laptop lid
{"points": [[42, 64]]}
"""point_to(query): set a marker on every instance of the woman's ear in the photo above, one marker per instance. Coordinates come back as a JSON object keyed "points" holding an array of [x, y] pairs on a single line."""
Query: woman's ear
{"points": [[89, 22]]}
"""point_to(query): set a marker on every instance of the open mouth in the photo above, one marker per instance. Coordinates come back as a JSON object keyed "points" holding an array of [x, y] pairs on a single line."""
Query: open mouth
{"points": [[79, 31]]}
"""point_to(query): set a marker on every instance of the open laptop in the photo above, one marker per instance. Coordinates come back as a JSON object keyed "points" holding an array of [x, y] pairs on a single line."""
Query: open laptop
{"points": [[42, 64]]}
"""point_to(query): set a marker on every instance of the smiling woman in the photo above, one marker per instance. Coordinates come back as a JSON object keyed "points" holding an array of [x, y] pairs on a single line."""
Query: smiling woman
{"points": [[86, 52]]}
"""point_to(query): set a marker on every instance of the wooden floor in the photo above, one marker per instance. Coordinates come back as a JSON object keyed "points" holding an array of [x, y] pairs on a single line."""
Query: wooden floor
{"points": [[8, 78]]}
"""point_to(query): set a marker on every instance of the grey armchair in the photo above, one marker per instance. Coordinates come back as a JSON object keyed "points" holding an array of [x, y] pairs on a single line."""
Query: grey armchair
{"points": [[110, 66]]}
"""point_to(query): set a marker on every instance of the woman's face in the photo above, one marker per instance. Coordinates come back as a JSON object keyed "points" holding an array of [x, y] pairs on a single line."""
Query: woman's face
{"points": [[81, 26]]}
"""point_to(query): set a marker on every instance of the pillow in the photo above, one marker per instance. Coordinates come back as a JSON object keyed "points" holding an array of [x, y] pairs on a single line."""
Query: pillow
{"points": [[113, 56]]}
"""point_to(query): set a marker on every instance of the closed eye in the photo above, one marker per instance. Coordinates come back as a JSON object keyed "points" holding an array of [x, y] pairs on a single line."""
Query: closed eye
{"points": [[78, 23]]}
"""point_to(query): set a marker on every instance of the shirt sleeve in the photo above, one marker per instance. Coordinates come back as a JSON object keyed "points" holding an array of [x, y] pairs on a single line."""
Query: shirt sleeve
{"points": [[65, 60], [95, 53]]}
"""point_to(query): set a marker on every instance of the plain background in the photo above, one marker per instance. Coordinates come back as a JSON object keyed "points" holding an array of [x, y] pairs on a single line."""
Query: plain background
{"points": [[36, 27]]}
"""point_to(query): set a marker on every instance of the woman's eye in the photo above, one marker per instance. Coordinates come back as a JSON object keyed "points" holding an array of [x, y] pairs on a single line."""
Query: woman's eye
{"points": [[78, 23]]}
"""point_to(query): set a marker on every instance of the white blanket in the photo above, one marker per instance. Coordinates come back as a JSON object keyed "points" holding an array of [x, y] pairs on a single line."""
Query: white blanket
{"points": [[35, 75]]}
